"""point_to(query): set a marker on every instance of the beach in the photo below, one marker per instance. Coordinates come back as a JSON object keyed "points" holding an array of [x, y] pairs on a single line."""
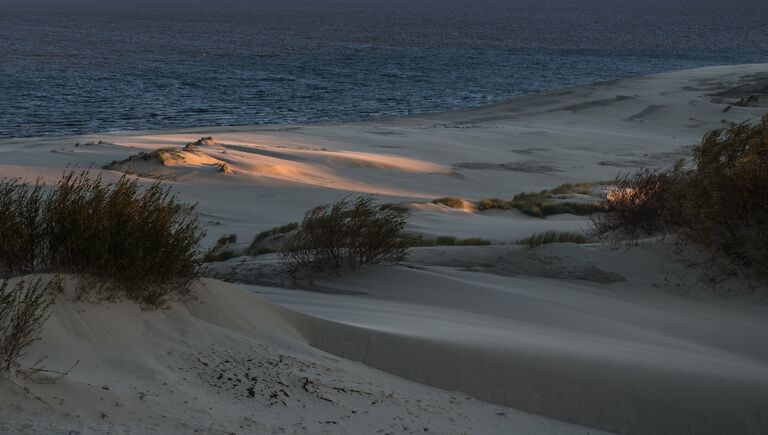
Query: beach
{"points": [[491, 338]]}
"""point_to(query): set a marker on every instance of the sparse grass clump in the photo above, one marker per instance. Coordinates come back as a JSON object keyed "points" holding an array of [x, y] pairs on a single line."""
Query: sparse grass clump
{"points": [[221, 251], [450, 201], [24, 309], [140, 243], [548, 237], [345, 234], [272, 232], [269, 240], [548, 202], [494, 204]]}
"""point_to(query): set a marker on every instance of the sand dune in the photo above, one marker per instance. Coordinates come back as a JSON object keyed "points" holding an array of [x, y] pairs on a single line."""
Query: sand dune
{"points": [[615, 356], [506, 339], [227, 362]]}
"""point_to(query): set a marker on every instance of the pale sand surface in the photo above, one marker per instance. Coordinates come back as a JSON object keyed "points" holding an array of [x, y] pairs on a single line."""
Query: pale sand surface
{"points": [[633, 340]]}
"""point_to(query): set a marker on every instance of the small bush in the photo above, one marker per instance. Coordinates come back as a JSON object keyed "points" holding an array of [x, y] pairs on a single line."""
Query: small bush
{"points": [[24, 309], [719, 201], [641, 202], [138, 243], [547, 237], [345, 234], [726, 198], [450, 201]]}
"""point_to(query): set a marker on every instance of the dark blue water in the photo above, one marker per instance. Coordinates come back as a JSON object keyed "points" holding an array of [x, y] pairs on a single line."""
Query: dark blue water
{"points": [[73, 66]]}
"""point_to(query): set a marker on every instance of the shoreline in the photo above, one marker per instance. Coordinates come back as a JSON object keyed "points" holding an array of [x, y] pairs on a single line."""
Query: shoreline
{"points": [[506, 103]]}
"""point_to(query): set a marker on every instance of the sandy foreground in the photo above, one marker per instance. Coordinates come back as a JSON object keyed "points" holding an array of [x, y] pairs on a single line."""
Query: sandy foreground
{"points": [[466, 339]]}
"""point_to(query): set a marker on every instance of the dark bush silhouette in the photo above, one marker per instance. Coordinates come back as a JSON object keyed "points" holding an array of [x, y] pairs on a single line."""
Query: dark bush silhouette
{"points": [[24, 309], [642, 203], [726, 200], [719, 200], [21, 227], [345, 234], [138, 243]]}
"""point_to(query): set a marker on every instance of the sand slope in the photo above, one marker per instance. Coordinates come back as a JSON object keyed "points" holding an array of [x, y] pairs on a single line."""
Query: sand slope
{"points": [[621, 355], [227, 362]]}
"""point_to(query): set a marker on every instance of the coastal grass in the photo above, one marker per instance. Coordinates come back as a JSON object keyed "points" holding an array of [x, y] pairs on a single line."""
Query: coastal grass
{"points": [[268, 241], [130, 241], [549, 202], [24, 309], [548, 237]]}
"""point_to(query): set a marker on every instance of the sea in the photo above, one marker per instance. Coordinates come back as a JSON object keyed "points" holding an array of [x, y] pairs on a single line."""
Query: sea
{"points": [[86, 66]]}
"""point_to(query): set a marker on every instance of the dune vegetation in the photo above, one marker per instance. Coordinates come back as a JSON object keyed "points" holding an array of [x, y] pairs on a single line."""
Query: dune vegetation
{"points": [[718, 200], [128, 241], [559, 200], [548, 237], [345, 234], [24, 308]]}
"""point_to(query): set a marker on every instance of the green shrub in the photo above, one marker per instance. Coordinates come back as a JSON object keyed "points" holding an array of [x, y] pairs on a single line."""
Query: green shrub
{"points": [[138, 243], [719, 201], [24, 309], [547, 237], [450, 201], [345, 234], [21, 227], [726, 199]]}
